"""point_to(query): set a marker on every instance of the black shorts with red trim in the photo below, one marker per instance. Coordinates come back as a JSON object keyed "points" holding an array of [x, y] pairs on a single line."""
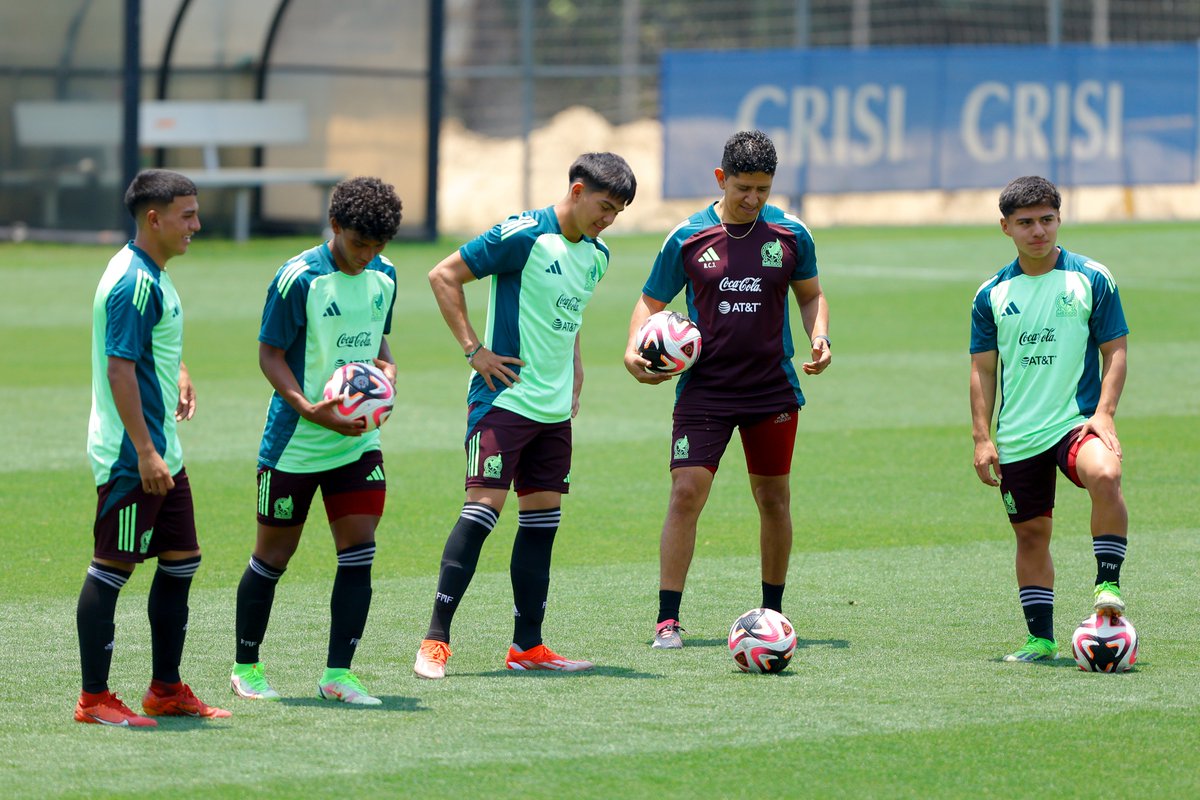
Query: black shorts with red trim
{"points": [[284, 498], [699, 439], [1028, 485]]}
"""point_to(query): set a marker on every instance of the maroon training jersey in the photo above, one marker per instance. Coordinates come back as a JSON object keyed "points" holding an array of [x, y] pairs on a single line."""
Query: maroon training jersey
{"points": [[738, 278]]}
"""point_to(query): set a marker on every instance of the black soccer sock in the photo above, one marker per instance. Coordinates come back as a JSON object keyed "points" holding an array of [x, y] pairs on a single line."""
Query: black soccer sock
{"points": [[349, 603], [1037, 603], [529, 571], [167, 608], [255, 596], [459, 559], [772, 596], [1110, 555], [668, 605], [94, 619]]}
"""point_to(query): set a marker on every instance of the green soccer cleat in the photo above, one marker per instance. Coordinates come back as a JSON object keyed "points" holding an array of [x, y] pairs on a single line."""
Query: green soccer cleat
{"points": [[249, 681], [344, 686], [1108, 600], [1035, 649]]}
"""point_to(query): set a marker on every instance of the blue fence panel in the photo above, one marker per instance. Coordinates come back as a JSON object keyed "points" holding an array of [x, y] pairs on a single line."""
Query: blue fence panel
{"points": [[936, 118]]}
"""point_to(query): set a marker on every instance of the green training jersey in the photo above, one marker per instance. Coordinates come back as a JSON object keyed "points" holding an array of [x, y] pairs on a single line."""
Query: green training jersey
{"points": [[1047, 330], [137, 316], [541, 284], [322, 319]]}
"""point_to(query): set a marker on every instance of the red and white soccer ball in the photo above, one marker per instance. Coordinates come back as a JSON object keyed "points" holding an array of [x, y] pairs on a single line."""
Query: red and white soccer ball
{"points": [[1104, 643], [364, 393], [762, 640], [669, 341]]}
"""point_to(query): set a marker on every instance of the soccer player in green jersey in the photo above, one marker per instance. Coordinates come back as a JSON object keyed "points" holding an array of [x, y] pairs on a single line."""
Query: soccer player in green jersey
{"points": [[328, 306], [544, 266], [1049, 333], [140, 391]]}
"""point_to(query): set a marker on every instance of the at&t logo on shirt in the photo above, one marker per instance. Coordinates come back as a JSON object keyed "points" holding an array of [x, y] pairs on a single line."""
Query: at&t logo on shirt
{"points": [[725, 307]]}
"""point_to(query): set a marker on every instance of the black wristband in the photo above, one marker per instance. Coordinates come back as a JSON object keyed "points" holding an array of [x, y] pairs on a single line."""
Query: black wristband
{"points": [[471, 354]]}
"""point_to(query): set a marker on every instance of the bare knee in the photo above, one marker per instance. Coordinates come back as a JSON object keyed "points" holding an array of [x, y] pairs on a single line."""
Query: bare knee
{"points": [[1104, 481], [1033, 534]]}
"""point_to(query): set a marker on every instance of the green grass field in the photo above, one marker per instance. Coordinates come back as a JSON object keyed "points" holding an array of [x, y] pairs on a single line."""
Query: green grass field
{"points": [[901, 585]]}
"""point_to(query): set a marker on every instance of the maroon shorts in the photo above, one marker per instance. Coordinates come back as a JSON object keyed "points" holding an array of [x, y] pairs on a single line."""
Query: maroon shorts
{"points": [[699, 440], [357, 488], [132, 525], [1027, 487], [506, 449]]}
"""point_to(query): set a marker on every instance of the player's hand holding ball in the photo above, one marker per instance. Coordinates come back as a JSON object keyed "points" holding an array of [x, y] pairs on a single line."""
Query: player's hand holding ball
{"points": [[358, 394], [669, 341]]}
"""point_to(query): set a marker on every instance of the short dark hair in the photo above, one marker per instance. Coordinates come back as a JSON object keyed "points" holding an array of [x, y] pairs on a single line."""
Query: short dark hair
{"points": [[1030, 190], [749, 151], [604, 172], [367, 206], [156, 187]]}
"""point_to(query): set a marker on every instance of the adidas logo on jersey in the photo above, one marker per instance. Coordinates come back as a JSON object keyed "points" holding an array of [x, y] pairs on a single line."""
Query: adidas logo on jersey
{"points": [[554, 269], [709, 258], [332, 310], [1010, 310]]}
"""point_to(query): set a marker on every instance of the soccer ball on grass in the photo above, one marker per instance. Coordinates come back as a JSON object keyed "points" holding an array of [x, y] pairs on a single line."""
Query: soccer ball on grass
{"points": [[1104, 643], [363, 392], [669, 341], [762, 640]]}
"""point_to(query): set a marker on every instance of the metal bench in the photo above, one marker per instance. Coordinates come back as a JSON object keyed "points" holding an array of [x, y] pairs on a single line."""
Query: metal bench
{"points": [[170, 124]]}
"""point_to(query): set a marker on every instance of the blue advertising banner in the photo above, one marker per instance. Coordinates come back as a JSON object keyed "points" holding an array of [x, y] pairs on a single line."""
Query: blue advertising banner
{"points": [[936, 118]]}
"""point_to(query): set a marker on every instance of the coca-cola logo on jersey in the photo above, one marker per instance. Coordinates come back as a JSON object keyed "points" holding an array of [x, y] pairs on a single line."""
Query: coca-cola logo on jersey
{"points": [[360, 339], [741, 284]]}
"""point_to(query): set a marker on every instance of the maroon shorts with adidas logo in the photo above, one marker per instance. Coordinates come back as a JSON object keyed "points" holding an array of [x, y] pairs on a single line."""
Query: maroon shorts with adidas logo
{"points": [[699, 439], [356, 488]]}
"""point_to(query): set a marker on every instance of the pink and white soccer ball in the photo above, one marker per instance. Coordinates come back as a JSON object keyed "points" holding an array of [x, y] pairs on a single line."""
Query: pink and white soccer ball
{"points": [[669, 341], [364, 393], [1104, 643], [762, 640]]}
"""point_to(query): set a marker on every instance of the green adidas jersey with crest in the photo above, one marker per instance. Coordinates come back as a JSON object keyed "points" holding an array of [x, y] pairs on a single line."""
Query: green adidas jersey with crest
{"points": [[322, 319], [1047, 330], [137, 316], [541, 284]]}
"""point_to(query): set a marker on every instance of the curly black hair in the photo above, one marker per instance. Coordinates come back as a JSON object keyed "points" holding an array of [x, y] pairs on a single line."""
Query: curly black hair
{"points": [[367, 206], [1028, 191], [749, 151], [156, 188]]}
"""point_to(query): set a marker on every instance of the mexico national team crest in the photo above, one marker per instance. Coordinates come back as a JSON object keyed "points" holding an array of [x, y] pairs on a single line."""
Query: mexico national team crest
{"points": [[492, 465], [284, 508], [682, 447], [772, 254], [377, 309], [1065, 305], [593, 277]]}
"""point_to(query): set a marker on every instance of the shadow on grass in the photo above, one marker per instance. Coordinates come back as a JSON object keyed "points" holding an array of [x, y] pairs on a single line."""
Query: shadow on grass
{"points": [[1045, 662], [190, 724], [551, 674], [690, 642], [391, 702], [835, 644]]}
